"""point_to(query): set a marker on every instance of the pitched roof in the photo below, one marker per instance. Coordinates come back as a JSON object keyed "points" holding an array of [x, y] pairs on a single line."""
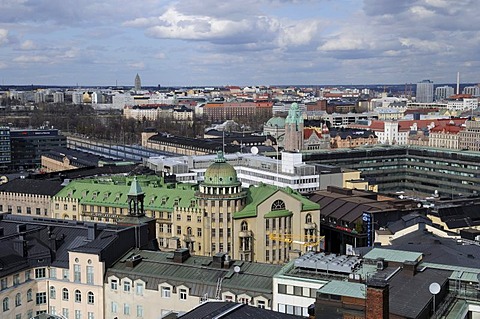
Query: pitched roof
{"points": [[230, 310], [258, 194], [113, 192], [198, 273]]}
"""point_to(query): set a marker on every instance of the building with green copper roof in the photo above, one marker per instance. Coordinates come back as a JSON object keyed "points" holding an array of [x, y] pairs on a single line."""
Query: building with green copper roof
{"points": [[217, 215]]}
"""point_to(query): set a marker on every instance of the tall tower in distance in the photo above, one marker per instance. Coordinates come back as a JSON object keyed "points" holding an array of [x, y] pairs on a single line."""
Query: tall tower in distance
{"points": [[424, 92], [294, 129], [138, 83]]}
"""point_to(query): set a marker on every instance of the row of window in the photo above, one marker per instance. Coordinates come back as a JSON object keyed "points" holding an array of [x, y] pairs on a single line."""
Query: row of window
{"points": [[127, 286], [77, 295], [297, 291], [39, 273], [38, 211], [126, 309], [66, 313]]}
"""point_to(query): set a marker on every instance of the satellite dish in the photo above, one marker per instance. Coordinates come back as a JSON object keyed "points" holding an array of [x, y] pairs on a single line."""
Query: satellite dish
{"points": [[3, 180], [254, 150], [236, 269], [434, 288]]}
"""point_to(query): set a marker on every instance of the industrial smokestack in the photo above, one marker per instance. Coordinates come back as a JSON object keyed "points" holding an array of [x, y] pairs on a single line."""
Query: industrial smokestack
{"points": [[458, 82]]}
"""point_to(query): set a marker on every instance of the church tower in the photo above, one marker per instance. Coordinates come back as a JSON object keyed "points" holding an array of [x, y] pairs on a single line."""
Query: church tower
{"points": [[138, 83], [294, 129]]}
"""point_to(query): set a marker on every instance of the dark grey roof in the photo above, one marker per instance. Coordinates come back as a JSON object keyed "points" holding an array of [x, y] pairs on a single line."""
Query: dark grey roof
{"points": [[76, 157], [88, 172], [439, 250], [212, 145], [198, 273], [27, 241], [407, 221], [461, 215], [32, 186], [230, 310], [352, 133], [410, 295]]}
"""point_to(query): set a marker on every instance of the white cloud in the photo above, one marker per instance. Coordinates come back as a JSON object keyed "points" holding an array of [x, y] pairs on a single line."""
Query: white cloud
{"points": [[425, 45], [28, 45], [422, 12], [160, 56], [137, 65], [3, 36], [31, 59], [298, 33]]}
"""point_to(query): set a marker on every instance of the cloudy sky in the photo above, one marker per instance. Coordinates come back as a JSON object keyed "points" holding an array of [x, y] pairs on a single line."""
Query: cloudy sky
{"points": [[238, 42]]}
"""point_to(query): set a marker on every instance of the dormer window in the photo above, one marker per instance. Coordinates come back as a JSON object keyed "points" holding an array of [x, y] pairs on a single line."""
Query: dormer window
{"points": [[164, 201], [176, 202], [152, 199]]}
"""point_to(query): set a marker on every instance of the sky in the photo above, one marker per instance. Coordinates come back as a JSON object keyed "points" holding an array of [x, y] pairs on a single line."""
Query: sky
{"points": [[247, 42]]}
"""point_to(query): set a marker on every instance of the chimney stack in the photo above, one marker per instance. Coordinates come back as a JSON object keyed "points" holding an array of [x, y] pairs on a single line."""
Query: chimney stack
{"points": [[378, 299], [180, 255], [458, 82]]}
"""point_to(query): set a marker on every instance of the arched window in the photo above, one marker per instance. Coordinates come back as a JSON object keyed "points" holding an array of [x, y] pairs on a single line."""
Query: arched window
{"points": [[78, 296], [5, 304], [53, 292], [18, 300], [91, 298], [189, 231], [278, 205], [29, 295], [244, 226], [308, 219], [65, 294]]}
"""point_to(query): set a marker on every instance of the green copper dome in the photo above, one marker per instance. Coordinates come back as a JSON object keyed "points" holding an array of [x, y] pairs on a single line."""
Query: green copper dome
{"points": [[220, 173], [276, 121]]}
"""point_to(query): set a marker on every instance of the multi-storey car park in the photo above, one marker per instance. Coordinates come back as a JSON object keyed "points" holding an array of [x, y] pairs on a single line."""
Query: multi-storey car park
{"points": [[417, 171]]}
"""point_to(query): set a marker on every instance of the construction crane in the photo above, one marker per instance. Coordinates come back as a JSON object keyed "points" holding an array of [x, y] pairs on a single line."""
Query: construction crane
{"points": [[289, 239]]}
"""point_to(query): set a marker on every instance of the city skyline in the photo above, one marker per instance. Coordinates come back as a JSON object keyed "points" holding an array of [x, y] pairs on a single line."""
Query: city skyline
{"points": [[267, 42]]}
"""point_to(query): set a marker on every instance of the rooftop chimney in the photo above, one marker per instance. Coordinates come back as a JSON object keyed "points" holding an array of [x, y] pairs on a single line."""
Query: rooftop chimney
{"points": [[92, 231], [378, 299], [218, 260], [180, 255], [133, 261]]}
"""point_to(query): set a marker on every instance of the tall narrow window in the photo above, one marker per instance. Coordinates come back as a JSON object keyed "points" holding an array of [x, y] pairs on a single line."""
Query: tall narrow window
{"points": [[77, 276], [91, 298], [78, 296], [90, 275], [53, 293]]}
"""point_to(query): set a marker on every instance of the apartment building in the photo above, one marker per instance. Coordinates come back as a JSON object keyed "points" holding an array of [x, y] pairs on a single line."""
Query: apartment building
{"points": [[57, 267]]}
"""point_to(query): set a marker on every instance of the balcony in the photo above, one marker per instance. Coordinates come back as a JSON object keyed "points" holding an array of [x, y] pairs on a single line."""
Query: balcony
{"points": [[245, 233], [310, 226]]}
